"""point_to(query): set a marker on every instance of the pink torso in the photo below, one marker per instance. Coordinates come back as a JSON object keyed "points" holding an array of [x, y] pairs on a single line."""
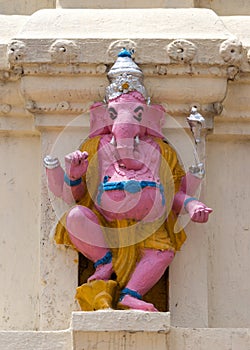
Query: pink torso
{"points": [[148, 202]]}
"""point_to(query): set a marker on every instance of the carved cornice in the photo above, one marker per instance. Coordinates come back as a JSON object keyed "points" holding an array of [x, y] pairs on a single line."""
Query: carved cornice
{"points": [[217, 52], [60, 75], [100, 69], [57, 69], [12, 74], [63, 107]]}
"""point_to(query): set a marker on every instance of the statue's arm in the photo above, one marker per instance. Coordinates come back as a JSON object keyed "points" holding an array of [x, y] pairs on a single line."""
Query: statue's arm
{"points": [[184, 200], [67, 185]]}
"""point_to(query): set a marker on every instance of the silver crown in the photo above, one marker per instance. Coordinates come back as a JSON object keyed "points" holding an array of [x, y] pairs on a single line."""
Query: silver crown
{"points": [[125, 76]]}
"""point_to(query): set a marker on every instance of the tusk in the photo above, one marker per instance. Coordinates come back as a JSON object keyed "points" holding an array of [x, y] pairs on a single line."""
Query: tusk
{"points": [[137, 140], [113, 141]]}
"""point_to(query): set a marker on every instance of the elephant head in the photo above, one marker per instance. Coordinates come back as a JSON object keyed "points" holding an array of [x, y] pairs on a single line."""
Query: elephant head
{"points": [[128, 119]]}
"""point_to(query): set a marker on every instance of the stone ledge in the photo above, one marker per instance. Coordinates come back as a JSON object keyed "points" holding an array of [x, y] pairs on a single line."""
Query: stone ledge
{"points": [[177, 338], [209, 338], [35, 340], [120, 320]]}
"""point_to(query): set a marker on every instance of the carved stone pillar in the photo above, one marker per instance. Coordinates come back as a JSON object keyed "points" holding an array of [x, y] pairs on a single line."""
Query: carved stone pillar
{"points": [[63, 125]]}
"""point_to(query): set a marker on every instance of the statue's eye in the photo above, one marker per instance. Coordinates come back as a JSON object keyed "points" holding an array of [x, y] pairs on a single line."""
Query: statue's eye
{"points": [[138, 113], [112, 113]]}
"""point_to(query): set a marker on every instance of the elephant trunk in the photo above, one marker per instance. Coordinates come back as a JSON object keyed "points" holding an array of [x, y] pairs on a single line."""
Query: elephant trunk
{"points": [[126, 140]]}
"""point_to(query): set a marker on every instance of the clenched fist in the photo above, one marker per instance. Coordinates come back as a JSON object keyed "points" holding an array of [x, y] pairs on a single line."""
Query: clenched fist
{"points": [[76, 164]]}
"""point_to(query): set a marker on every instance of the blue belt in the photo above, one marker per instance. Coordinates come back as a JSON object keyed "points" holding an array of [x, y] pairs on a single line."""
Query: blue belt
{"points": [[131, 186]]}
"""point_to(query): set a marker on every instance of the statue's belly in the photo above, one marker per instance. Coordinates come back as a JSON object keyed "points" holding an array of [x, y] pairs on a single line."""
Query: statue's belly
{"points": [[130, 193], [138, 200]]}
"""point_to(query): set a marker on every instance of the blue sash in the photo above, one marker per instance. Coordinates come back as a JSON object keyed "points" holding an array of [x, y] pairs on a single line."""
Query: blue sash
{"points": [[131, 186]]}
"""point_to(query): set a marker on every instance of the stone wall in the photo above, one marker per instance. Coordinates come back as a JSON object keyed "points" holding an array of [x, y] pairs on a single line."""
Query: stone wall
{"points": [[52, 67], [221, 7]]}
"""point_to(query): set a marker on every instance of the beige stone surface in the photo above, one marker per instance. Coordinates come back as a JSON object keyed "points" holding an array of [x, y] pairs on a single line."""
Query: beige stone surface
{"points": [[176, 339], [120, 320], [228, 233], [24, 7], [239, 25], [60, 340], [130, 329], [9, 27], [120, 340], [58, 265], [123, 4], [129, 23], [208, 338], [221, 7], [20, 230], [189, 280], [226, 7]]}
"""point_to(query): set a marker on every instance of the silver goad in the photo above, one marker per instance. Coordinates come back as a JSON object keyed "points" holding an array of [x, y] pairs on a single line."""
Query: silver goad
{"points": [[196, 122]]}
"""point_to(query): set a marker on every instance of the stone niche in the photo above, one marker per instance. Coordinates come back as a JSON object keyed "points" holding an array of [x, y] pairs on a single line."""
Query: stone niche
{"points": [[54, 68]]}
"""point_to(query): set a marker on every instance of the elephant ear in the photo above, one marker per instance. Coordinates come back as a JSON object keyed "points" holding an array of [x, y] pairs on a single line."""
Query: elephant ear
{"points": [[155, 120], [99, 120]]}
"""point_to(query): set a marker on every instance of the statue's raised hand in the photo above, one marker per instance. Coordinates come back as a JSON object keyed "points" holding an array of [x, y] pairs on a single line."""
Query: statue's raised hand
{"points": [[76, 164], [198, 211]]}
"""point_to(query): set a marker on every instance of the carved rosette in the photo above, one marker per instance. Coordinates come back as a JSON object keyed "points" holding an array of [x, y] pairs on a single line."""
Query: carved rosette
{"points": [[5, 108], [63, 51], [230, 51], [116, 46], [182, 50], [16, 51], [63, 106]]}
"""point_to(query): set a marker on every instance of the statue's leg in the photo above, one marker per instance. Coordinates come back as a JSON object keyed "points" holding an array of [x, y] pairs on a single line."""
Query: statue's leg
{"points": [[86, 234], [146, 274]]}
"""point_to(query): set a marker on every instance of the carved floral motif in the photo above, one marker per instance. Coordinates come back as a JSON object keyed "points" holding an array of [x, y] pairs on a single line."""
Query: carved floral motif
{"points": [[64, 105], [182, 50], [63, 51], [116, 46], [16, 51], [5, 108], [230, 51]]}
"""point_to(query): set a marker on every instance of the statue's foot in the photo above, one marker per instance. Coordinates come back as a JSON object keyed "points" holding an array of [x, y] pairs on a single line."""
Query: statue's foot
{"points": [[102, 272], [129, 302]]}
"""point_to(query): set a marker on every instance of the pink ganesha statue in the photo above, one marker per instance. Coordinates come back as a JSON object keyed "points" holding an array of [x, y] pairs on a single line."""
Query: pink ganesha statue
{"points": [[126, 188]]}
